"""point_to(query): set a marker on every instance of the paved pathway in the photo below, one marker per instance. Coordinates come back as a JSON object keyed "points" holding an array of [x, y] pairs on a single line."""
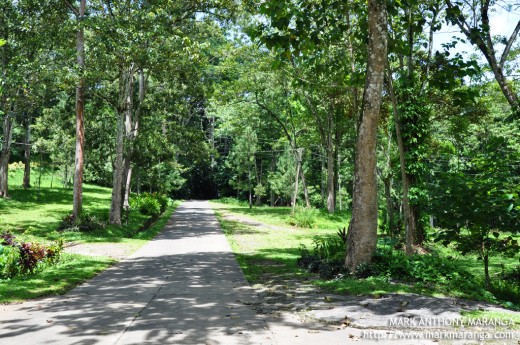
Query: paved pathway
{"points": [[184, 287]]}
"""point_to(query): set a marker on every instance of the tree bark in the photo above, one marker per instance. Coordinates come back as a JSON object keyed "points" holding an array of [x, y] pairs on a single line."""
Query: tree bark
{"points": [[297, 153], [132, 127], [331, 202], [119, 164], [115, 207], [5, 153], [80, 112], [27, 154], [362, 234], [409, 219]]}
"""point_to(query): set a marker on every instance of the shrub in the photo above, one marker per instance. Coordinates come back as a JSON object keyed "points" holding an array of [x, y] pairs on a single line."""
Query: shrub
{"points": [[150, 204], [329, 248], [86, 223], [9, 258], [26, 257], [304, 217]]}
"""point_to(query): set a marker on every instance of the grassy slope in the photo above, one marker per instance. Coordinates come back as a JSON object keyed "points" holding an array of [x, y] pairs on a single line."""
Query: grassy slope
{"points": [[34, 214], [254, 246]]}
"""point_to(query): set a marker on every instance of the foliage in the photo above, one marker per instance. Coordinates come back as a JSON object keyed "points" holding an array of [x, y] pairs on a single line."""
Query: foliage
{"points": [[477, 201], [149, 204], [86, 223], [304, 217], [26, 257], [326, 258]]}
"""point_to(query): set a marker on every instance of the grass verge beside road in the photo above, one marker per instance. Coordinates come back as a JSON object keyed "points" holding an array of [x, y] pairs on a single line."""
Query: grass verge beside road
{"points": [[33, 215], [268, 253]]}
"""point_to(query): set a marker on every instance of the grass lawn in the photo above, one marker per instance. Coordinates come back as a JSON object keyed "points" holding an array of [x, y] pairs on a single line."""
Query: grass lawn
{"points": [[265, 252], [271, 251], [34, 214]]}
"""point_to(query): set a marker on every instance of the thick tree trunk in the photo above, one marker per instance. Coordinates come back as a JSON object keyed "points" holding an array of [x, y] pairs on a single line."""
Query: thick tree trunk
{"points": [[27, 154], [80, 111], [5, 153], [362, 233], [131, 127], [120, 162]]}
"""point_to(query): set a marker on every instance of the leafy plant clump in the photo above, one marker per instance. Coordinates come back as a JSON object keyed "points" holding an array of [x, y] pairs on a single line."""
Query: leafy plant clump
{"points": [[150, 204], [26, 257], [86, 223], [304, 217], [326, 258]]}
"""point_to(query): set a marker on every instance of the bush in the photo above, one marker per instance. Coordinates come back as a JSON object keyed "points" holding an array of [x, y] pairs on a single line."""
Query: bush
{"points": [[86, 223], [326, 258], [150, 204], [304, 217], [329, 248], [26, 257], [9, 257]]}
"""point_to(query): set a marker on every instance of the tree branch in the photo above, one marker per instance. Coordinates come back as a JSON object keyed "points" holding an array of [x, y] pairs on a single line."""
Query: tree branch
{"points": [[72, 8], [509, 44]]}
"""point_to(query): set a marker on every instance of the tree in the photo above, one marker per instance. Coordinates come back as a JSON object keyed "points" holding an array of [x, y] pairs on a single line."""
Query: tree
{"points": [[476, 27], [362, 233], [80, 109]]}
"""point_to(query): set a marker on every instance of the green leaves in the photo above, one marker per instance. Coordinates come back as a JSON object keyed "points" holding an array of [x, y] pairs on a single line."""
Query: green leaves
{"points": [[2, 42]]}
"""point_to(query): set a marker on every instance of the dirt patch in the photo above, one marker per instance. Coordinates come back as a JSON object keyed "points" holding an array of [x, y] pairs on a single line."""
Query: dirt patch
{"points": [[117, 251]]}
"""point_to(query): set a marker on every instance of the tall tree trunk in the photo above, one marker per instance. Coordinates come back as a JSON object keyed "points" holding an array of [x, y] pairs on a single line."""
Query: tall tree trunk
{"points": [[132, 127], [331, 205], [409, 220], [115, 207], [119, 164], [27, 154], [304, 185], [5, 153], [80, 111], [297, 154], [362, 233]]}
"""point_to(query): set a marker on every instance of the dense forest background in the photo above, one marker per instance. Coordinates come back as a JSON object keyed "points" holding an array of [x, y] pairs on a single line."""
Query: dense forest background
{"points": [[263, 101]]}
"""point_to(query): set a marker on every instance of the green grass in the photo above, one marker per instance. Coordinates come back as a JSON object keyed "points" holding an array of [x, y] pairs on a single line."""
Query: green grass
{"points": [[70, 272], [265, 252], [281, 216], [34, 214]]}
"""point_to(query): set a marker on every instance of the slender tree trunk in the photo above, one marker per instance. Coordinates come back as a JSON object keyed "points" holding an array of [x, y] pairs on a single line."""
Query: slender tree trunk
{"points": [[304, 186], [271, 192], [27, 154], [5, 153], [409, 220], [115, 207], [330, 178], [297, 153], [362, 232], [80, 111]]}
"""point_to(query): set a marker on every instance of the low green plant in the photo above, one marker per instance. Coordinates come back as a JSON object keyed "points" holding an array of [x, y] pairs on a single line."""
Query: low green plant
{"points": [[304, 217], [9, 258], [26, 257], [329, 248], [86, 223]]}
